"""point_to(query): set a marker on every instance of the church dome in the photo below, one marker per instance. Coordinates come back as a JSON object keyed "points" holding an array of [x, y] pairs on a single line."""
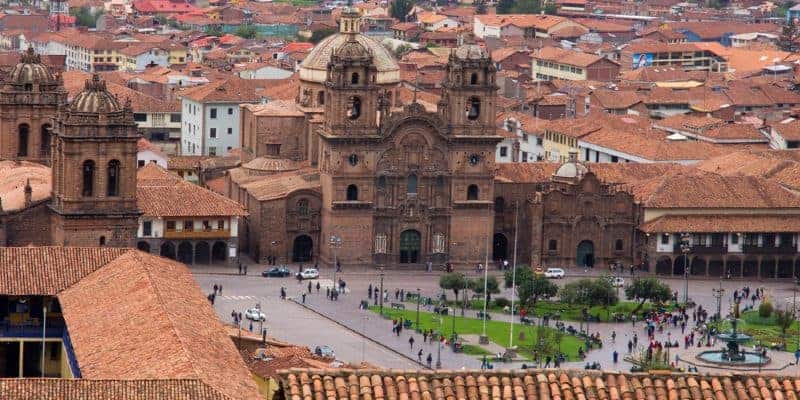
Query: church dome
{"points": [[30, 70], [571, 169], [94, 98], [471, 52], [271, 165], [315, 66]]}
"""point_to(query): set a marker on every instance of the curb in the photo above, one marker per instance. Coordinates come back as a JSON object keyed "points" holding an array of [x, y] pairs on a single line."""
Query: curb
{"points": [[424, 366]]}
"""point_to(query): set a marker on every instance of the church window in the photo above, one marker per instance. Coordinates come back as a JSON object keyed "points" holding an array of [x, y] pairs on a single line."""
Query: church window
{"points": [[88, 178], [22, 143], [440, 181], [472, 192], [102, 240], [412, 184], [552, 245], [380, 243], [113, 178], [353, 159], [302, 208], [44, 144], [438, 243], [473, 79], [28, 87], [352, 193], [618, 245], [354, 78], [355, 108], [474, 108], [499, 205], [321, 98]]}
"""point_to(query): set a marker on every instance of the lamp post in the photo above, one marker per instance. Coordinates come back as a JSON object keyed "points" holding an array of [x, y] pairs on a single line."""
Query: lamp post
{"points": [[336, 243], [439, 343], [419, 300], [718, 295], [381, 294], [483, 338], [513, 276], [685, 249]]}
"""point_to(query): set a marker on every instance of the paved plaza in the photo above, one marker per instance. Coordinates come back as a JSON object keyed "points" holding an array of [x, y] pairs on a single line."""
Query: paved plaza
{"points": [[360, 335]]}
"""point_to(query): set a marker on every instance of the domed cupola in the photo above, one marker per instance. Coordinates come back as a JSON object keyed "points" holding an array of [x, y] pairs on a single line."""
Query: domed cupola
{"points": [[95, 98], [31, 75]]}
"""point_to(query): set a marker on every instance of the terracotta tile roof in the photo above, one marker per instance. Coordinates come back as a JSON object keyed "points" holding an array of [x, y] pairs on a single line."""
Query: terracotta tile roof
{"points": [[74, 83], [183, 163], [571, 31], [231, 90], [282, 184], [95, 389], [570, 57], [620, 173], [616, 99], [156, 324], [789, 130], [530, 384], [654, 148], [163, 194], [505, 52], [723, 223], [521, 20]]}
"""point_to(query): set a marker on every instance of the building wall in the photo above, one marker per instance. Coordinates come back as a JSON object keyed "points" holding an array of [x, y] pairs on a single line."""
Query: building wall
{"points": [[192, 127], [30, 226], [227, 128], [603, 71]]}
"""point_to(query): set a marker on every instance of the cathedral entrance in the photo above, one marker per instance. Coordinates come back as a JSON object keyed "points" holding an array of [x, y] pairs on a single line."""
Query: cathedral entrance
{"points": [[302, 248], [499, 247], [585, 256], [409, 247]]}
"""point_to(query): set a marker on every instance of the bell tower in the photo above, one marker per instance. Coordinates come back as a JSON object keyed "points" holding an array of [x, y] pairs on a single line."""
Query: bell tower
{"points": [[94, 171], [469, 92], [352, 94]]}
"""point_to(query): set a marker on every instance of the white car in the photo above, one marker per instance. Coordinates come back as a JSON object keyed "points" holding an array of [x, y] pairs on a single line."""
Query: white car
{"points": [[255, 314], [308, 273], [555, 273], [617, 282]]}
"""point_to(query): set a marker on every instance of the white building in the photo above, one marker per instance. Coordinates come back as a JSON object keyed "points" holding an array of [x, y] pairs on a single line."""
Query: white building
{"points": [[522, 141], [210, 116], [148, 153]]}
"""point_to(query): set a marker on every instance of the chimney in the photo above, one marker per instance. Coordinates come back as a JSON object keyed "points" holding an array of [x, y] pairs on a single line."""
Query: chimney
{"points": [[28, 193]]}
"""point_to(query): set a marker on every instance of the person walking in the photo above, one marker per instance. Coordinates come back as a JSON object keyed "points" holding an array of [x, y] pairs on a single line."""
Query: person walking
{"points": [[424, 336], [411, 342], [630, 346], [309, 287], [215, 288], [613, 336], [615, 356], [429, 359], [318, 286], [369, 291], [304, 298], [220, 289], [419, 356]]}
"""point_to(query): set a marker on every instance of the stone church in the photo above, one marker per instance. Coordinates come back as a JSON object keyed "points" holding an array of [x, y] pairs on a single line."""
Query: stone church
{"points": [[347, 173], [89, 197]]}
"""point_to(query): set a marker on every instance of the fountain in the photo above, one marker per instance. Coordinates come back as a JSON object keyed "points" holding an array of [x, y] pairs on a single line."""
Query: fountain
{"points": [[731, 355]]}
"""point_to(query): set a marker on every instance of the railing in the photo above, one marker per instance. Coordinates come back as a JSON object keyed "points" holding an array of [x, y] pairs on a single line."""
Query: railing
{"points": [[198, 234], [9, 330], [769, 249], [714, 248]]}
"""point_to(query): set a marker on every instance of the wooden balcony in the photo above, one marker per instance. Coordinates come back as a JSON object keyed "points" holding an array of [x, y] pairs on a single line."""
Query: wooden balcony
{"points": [[197, 234]]}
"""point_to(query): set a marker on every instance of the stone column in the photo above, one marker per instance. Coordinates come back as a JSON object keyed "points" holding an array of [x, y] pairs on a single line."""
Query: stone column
{"points": [[21, 357]]}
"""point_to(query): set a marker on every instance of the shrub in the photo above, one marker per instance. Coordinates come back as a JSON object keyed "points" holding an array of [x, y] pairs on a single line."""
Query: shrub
{"points": [[765, 309], [502, 302]]}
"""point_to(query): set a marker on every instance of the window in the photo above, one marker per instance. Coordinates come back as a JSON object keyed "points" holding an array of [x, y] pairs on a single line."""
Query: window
{"points": [[618, 245], [188, 225], [321, 98], [438, 243], [220, 224], [352, 193], [750, 239], [474, 108], [102, 240], [354, 78], [88, 178], [140, 163], [525, 137], [524, 156], [735, 238], [170, 225], [212, 150], [411, 187], [499, 205], [472, 192], [147, 228], [206, 225], [139, 117], [113, 178], [213, 132], [230, 110], [22, 143], [503, 151], [174, 118], [355, 108], [473, 79], [552, 245], [353, 159], [665, 238], [213, 113], [614, 159], [230, 131], [302, 208], [380, 243]]}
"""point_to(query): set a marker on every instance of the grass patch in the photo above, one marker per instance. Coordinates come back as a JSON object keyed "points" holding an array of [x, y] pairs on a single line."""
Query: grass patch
{"points": [[474, 350], [764, 330], [497, 331]]}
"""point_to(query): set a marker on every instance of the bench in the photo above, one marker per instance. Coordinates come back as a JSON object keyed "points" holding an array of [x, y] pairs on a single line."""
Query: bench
{"points": [[399, 306], [480, 315]]}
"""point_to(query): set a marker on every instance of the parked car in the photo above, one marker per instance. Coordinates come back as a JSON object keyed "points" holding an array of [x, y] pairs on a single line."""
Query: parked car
{"points": [[308, 273], [617, 282], [554, 273], [324, 351], [255, 314], [277, 272]]}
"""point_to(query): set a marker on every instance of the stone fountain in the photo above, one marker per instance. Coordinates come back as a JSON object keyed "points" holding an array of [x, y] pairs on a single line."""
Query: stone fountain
{"points": [[732, 355]]}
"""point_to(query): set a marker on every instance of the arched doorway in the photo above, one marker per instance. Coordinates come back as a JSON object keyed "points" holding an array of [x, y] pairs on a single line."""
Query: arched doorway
{"points": [[500, 247], [168, 250], [302, 248], [218, 252], [734, 267], [750, 267], [585, 254], [663, 266], [202, 253], [767, 267], [143, 246], [679, 266], [716, 267], [185, 252], [698, 267], [409, 247]]}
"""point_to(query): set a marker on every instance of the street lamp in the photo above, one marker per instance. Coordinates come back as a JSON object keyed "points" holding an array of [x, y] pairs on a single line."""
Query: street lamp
{"points": [[718, 295], [685, 249], [419, 300], [381, 294], [336, 242], [439, 343]]}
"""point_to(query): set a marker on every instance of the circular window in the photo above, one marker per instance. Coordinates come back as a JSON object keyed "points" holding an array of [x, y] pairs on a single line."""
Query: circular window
{"points": [[474, 159], [353, 159]]}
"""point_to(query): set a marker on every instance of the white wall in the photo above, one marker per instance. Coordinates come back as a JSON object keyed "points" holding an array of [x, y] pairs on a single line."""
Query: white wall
{"points": [[734, 248], [227, 128], [665, 247], [157, 230], [149, 156], [191, 128]]}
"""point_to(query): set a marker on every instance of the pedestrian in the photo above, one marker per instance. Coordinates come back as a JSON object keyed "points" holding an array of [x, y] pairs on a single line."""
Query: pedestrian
{"points": [[327, 293], [429, 359], [419, 356], [251, 326], [338, 266], [215, 288], [369, 291], [304, 298], [245, 269], [220, 290], [633, 319], [424, 336], [233, 316], [240, 268], [309, 286], [613, 336], [318, 286], [615, 356], [630, 346], [396, 294], [797, 357], [635, 339], [548, 359], [402, 295], [411, 342], [376, 298]]}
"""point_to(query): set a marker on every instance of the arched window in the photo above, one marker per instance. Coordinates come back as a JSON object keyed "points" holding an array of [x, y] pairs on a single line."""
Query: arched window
{"points": [[472, 192], [382, 182], [354, 78], [302, 208], [618, 245], [473, 79], [499, 205], [321, 98], [102, 240], [352, 193], [44, 144], [28, 87], [88, 178], [474, 108], [552, 245], [440, 181], [23, 131], [412, 184], [113, 178], [355, 108]]}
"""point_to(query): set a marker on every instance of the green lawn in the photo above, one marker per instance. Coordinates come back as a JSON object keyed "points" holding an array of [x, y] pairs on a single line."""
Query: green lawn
{"points": [[765, 330], [474, 350], [497, 331]]}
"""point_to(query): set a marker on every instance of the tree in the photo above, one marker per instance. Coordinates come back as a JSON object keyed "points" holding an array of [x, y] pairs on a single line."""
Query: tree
{"points": [[84, 17], [399, 9], [454, 281], [788, 39], [480, 7], [531, 290], [505, 7], [784, 318], [246, 31], [320, 34], [550, 8], [214, 30], [647, 289], [590, 292], [492, 286]]}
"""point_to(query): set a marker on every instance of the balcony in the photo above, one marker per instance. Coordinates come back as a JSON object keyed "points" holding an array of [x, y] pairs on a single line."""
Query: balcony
{"points": [[197, 234], [714, 248], [769, 249], [33, 329]]}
